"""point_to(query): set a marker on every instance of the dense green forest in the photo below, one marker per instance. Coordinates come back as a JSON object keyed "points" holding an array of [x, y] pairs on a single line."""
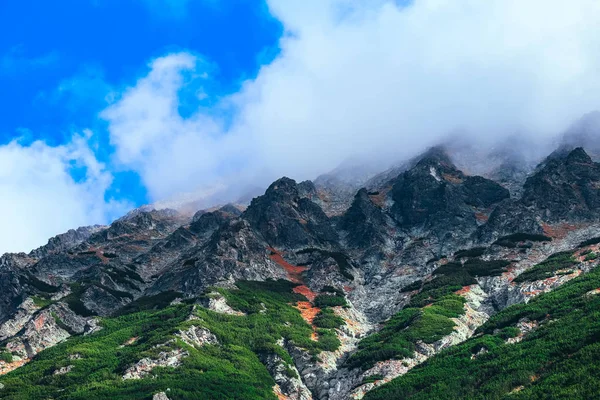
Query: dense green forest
{"points": [[230, 370]]}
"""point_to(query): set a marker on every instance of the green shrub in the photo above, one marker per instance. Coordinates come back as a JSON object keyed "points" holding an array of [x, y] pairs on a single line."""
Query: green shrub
{"points": [[397, 338], [416, 285], [231, 370], [477, 267], [372, 378], [509, 332], [38, 284], [591, 256], [590, 242], [146, 303], [327, 319], [6, 356], [40, 301], [548, 268], [328, 340], [326, 300], [556, 360], [474, 252]]}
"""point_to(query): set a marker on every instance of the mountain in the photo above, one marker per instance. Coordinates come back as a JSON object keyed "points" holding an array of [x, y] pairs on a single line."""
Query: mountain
{"points": [[360, 284]]}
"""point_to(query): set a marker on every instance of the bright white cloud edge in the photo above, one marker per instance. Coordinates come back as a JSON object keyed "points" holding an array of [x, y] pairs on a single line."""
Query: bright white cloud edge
{"points": [[365, 78]]}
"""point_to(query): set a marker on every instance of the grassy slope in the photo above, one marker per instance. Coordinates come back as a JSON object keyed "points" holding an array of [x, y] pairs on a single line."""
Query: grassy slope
{"points": [[231, 370], [558, 360], [428, 315]]}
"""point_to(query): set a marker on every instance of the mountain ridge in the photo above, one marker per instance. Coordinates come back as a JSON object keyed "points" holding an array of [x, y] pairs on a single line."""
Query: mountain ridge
{"points": [[355, 269]]}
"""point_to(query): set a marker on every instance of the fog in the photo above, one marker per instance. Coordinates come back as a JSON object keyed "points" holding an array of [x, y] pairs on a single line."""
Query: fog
{"points": [[369, 79]]}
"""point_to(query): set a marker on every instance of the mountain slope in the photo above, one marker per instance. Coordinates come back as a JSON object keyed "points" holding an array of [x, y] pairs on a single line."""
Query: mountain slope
{"points": [[547, 348], [409, 267]]}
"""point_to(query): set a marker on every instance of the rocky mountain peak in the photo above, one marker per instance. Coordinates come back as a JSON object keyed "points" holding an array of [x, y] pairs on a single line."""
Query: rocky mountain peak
{"points": [[578, 156], [286, 218], [282, 188], [567, 185], [436, 157], [66, 241], [431, 235], [435, 190]]}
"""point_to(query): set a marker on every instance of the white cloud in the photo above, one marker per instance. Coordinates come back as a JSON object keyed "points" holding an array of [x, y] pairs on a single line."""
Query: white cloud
{"points": [[40, 198], [366, 77]]}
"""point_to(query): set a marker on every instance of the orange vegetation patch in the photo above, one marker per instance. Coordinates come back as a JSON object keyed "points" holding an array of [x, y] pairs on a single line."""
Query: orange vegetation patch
{"points": [[481, 217], [309, 312], [306, 308], [294, 272], [510, 273], [463, 291], [39, 322], [306, 292], [452, 178], [279, 394], [558, 231], [5, 367]]}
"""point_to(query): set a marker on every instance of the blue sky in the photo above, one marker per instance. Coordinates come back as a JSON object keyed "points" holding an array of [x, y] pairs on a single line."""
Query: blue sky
{"points": [[109, 104], [60, 60]]}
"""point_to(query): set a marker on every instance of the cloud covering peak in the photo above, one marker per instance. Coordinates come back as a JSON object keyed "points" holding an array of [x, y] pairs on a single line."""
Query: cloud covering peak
{"points": [[372, 78]]}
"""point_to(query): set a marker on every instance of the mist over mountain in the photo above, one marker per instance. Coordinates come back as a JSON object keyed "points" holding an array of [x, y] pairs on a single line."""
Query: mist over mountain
{"points": [[300, 200], [339, 288]]}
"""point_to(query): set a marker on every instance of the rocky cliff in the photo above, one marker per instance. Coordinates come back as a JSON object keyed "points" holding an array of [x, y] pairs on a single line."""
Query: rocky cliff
{"points": [[373, 271]]}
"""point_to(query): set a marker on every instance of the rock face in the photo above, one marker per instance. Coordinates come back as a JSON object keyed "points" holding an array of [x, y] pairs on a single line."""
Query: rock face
{"points": [[369, 243], [145, 366], [436, 196], [509, 217], [23, 315], [366, 223], [66, 241], [286, 216], [567, 186], [198, 336], [287, 378]]}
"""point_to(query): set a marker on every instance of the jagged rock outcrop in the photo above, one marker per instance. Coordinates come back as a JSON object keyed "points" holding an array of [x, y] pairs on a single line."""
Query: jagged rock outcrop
{"points": [[198, 336], [103, 302], [566, 186], [369, 246], [66, 241], [437, 197], [509, 217], [233, 252], [286, 219], [287, 378], [18, 320], [145, 366], [366, 223]]}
